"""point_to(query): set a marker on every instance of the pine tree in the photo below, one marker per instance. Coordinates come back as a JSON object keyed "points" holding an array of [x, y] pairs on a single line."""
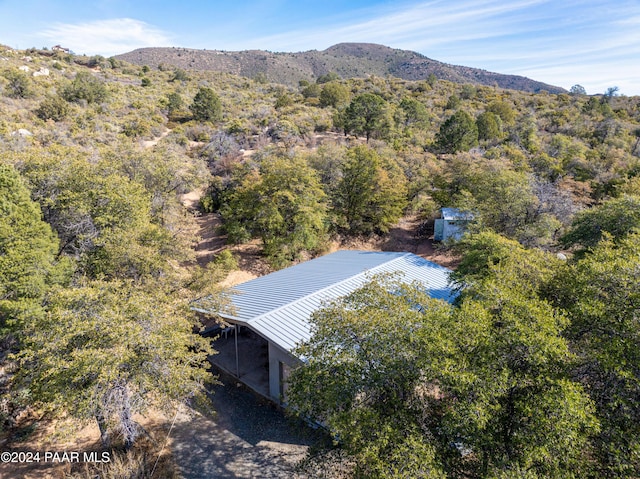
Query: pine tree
{"points": [[206, 105]]}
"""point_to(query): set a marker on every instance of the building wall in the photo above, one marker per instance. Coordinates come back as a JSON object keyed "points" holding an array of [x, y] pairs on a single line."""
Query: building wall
{"points": [[446, 229], [277, 356], [453, 229]]}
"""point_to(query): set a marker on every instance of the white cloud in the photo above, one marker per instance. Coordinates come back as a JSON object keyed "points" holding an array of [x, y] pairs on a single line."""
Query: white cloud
{"points": [[561, 43], [106, 37], [420, 26]]}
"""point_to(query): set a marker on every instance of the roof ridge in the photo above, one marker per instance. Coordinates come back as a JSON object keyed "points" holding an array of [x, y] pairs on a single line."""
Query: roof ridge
{"points": [[331, 286]]}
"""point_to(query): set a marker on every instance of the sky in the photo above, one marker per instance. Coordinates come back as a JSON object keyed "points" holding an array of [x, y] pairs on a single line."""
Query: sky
{"points": [[593, 43]]}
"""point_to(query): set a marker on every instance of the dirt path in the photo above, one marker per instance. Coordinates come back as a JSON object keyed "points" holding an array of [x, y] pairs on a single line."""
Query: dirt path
{"points": [[154, 141], [251, 264]]}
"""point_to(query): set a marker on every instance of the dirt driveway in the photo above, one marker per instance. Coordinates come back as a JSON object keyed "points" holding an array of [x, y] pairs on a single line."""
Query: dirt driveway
{"points": [[248, 438]]}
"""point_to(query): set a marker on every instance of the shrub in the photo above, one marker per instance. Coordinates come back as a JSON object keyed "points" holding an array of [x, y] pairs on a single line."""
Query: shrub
{"points": [[19, 84], [53, 108], [85, 87]]}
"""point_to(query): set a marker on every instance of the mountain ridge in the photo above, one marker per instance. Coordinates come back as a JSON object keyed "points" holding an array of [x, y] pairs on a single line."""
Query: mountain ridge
{"points": [[348, 60]]}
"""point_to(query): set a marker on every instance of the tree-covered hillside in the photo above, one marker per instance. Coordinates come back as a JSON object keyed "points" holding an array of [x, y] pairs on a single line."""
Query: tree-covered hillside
{"points": [[534, 372], [348, 60]]}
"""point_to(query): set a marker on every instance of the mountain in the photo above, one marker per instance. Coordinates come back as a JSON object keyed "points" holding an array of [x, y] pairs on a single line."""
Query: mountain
{"points": [[348, 60]]}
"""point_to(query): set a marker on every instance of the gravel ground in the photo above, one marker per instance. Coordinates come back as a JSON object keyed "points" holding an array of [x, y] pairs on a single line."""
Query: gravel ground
{"points": [[248, 437]]}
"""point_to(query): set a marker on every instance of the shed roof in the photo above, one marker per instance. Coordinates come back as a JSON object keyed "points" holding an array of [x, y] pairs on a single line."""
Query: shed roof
{"points": [[456, 214], [278, 306]]}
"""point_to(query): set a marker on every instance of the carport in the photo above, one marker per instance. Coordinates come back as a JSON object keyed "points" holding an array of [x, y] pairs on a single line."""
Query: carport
{"points": [[276, 309]]}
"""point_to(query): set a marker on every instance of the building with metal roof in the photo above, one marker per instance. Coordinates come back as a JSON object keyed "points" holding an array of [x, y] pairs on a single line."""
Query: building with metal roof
{"points": [[451, 224], [278, 306]]}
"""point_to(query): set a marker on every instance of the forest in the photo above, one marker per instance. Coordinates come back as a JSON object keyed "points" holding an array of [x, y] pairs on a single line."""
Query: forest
{"points": [[533, 372]]}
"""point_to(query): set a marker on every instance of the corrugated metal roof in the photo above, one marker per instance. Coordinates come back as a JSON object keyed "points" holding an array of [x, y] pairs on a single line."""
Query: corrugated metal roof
{"points": [[278, 305]]}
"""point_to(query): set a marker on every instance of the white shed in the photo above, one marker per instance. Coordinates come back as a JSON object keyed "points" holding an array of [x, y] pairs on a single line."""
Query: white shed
{"points": [[451, 224]]}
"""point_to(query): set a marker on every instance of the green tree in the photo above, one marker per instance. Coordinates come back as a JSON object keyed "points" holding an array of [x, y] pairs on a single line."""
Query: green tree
{"points": [[504, 110], [518, 406], [85, 87], [366, 115], [123, 242], [334, 94], [283, 204], [104, 217], [206, 105], [476, 390], [503, 199], [312, 91], [283, 100], [577, 90], [136, 128], [468, 91], [27, 252], [414, 113], [616, 217], [166, 173], [458, 133], [110, 350], [489, 126], [371, 195], [180, 75], [527, 349], [608, 95], [328, 77], [364, 377], [453, 102], [174, 103], [328, 160], [484, 252], [601, 295]]}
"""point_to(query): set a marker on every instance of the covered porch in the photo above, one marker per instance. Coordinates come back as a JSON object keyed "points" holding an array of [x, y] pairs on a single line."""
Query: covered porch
{"points": [[244, 355]]}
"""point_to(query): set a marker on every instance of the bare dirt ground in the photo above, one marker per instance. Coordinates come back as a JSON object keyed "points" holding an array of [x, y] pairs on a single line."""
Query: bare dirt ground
{"points": [[247, 438], [242, 436], [40, 435], [402, 237], [251, 264]]}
